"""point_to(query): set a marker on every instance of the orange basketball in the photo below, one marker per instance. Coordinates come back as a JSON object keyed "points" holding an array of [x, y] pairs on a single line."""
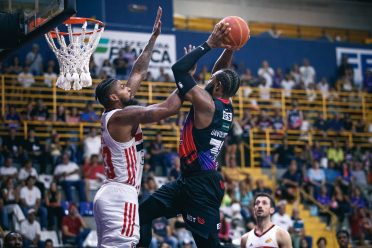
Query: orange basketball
{"points": [[239, 34]]}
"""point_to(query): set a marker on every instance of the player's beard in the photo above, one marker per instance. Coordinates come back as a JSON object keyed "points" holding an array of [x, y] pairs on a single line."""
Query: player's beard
{"points": [[209, 88]]}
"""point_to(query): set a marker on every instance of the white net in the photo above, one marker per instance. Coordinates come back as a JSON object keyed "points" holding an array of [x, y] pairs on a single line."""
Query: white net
{"points": [[74, 58]]}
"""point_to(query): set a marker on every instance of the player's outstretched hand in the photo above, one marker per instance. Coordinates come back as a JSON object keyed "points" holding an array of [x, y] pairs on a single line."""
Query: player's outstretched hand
{"points": [[187, 50], [156, 30], [220, 31]]}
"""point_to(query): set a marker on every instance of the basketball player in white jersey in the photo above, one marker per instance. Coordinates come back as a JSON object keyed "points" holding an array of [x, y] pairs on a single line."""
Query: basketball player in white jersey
{"points": [[116, 202], [265, 234]]}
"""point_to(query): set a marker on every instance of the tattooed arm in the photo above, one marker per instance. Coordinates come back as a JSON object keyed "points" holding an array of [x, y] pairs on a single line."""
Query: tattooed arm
{"points": [[141, 65]]}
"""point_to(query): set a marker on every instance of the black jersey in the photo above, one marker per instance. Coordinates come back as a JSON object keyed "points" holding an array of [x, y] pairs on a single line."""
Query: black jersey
{"points": [[199, 148]]}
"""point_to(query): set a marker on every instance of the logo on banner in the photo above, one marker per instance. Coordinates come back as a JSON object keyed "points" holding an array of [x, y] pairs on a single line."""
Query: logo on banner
{"points": [[163, 54], [360, 59]]}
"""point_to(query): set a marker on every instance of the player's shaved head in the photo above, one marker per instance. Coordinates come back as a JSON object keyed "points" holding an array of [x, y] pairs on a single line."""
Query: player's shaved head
{"points": [[103, 90]]}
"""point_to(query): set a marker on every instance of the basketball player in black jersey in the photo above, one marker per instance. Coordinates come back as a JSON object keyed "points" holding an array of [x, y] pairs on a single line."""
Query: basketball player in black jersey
{"points": [[198, 193]]}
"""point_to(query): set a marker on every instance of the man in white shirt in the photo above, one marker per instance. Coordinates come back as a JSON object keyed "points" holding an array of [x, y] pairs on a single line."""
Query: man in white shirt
{"points": [[25, 78], [92, 143], [27, 171], [8, 170], [31, 199], [287, 85], [68, 175], [282, 219], [307, 73], [34, 60], [323, 87], [30, 230], [266, 72]]}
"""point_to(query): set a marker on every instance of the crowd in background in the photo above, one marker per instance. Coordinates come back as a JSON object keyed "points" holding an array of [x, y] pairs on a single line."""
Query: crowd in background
{"points": [[50, 186]]}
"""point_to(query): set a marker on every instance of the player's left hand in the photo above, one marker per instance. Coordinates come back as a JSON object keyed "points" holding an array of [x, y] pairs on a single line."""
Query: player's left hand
{"points": [[156, 30], [188, 50]]}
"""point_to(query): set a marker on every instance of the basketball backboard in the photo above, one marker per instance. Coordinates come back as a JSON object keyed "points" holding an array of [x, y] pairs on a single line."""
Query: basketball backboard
{"points": [[24, 20]]}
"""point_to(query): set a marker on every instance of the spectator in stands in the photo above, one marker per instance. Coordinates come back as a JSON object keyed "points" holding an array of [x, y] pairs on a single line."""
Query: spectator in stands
{"points": [[316, 178], [296, 74], [35, 150], [357, 199], [53, 204], [291, 182], [34, 60], [277, 121], [345, 68], [283, 154], [26, 171], [74, 228], [10, 197], [335, 124], [175, 172], [359, 176], [343, 239], [150, 187], [261, 188], [68, 174], [325, 200], [26, 78], [31, 199], [73, 116], [278, 78], [162, 233], [311, 93], [344, 84], [31, 231], [367, 82], [287, 85], [335, 153], [15, 68], [360, 126], [92, 143], [295, 117], [89, 114], [247, 79], [50, 77], [61, 114], [8, 170], [40, 111], [12, 117], [347, 123], [266, 72], [94, 174], [13, 240], [48, 243], [26, 113], [107, 68], [264, 121], [120, 65], [321, 124], [129, 56], [157, 152], [307, 73], [321, 242], [149, 77], [280, 217], [13, 145], [264, 91], [162, 77], [93, 67], [233, 139], [323, 87], [340, 205], [297, 229], [54, 147]]}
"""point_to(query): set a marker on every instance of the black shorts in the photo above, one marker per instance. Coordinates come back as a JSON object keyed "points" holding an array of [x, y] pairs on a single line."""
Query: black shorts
{"points": [[197, 198]]}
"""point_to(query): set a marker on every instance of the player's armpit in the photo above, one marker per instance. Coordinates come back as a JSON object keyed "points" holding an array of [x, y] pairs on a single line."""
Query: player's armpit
{"points": [[283, 239]]}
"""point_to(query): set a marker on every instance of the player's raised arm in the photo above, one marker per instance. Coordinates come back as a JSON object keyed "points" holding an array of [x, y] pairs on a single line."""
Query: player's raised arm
{"points": [[141, 65], [140, 115], [201, 99], [224, 61]]}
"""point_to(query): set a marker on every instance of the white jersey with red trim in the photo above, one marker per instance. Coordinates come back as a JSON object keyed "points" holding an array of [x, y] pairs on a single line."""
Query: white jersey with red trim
{"points": [[123, 161], [265, 240]]}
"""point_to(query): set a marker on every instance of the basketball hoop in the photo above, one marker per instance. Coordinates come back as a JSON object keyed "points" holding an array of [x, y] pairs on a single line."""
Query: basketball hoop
{"points": [[74, 58]]}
